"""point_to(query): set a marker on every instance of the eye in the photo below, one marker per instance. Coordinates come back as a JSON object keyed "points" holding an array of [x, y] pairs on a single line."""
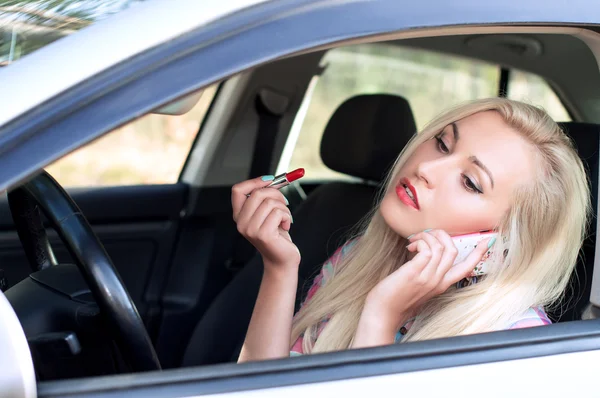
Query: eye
{"points": [[440, 143], [470, 185]]}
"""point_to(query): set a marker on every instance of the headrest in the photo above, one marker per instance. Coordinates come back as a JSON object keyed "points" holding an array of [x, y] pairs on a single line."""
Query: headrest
{"points": [[366, 134], [586, 137]]}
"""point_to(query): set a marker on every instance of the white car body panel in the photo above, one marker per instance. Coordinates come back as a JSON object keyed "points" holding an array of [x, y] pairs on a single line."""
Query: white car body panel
{"points": [[73, 59], [526, 378]]}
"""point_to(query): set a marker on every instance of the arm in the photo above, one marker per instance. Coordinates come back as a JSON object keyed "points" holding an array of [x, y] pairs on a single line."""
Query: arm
{"points": [[270, 327], [262, 217], [374, 330]]}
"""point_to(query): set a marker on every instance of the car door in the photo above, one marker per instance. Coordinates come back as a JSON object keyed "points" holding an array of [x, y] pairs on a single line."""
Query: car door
{"points": [[279, 29]]}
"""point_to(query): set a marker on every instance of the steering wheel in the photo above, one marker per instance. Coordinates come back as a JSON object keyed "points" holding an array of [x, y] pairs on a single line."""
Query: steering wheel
{"points": [[44, 193]]}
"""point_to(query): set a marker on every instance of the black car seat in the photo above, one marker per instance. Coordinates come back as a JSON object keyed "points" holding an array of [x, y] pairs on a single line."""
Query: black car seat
{"points": [[587, 140], [362, 139]]}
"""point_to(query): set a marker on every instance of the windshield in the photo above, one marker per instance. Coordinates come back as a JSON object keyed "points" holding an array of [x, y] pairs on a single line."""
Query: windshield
{"points": [[27, 25]]}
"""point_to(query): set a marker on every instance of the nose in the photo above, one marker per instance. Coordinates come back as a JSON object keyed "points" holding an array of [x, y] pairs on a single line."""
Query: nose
{"points": [[429, 172]]}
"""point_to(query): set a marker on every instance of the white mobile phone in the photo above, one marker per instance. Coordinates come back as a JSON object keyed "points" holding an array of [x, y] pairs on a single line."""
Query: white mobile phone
{"points": [[467, 243]]}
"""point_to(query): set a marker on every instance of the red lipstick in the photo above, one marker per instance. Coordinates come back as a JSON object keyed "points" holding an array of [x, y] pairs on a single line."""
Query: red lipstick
{"points": [[285, 179], [403, 190]]}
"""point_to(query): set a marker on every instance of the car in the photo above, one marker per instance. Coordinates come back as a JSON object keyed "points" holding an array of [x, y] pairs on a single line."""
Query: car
{"points": [[132, 279]]}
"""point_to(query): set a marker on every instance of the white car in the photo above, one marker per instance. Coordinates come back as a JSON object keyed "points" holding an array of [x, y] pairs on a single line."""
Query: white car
{"points": [[132, 281]]}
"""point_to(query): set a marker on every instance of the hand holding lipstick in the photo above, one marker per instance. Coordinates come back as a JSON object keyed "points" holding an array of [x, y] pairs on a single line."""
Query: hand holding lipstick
{"points": [[263, 218]]}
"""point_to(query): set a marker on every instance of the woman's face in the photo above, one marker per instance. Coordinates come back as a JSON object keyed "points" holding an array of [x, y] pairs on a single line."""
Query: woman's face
{"points": [[461, 181]]}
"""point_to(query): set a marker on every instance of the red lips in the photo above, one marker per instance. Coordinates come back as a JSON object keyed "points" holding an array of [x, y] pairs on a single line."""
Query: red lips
{"points": [[403, 195]]}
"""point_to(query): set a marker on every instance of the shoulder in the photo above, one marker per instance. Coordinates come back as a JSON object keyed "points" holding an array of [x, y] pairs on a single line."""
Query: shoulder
{"points": [[328, 268], [534, 316], [342, 251], [337, 256]]}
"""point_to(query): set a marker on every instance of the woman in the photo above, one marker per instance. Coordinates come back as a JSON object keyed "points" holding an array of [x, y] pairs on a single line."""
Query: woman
{"points": [[493, 164]]}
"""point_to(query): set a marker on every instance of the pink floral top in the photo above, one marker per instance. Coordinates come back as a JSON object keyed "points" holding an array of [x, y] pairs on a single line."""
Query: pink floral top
{"points": [[535, 316]]}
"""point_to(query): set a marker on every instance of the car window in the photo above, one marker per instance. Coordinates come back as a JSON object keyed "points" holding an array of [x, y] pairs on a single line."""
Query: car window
{"points": [[27, 25], [524, 86], [150, 150], [430, 81]]}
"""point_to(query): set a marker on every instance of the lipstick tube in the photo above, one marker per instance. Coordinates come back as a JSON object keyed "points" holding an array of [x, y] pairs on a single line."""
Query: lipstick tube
{"points": [[285, 179]]}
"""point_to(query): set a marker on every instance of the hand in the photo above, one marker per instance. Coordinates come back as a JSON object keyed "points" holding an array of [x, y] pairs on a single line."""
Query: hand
{"points": [[264, 219], [429, 273]]}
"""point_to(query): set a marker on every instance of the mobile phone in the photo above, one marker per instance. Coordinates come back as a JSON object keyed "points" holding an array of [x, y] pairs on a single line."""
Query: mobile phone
{"points": [[467, 243]]}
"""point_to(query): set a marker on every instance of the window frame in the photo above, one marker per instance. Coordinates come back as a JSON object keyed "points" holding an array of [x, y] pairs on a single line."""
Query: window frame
{"points": [[187, 164], [552, 88]]}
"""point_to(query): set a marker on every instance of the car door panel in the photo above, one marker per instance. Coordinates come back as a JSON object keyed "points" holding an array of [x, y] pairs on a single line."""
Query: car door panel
{"points": [[506, 363], [199, 269], [136, 224]]}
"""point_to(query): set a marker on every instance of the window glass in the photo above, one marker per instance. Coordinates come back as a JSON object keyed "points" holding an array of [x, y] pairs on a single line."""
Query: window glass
{"points": [[430, 81], [27, 25], [533, 89], [149, 150]]}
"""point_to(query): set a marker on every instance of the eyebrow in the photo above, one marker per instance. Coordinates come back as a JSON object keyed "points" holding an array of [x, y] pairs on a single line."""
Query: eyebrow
{"points": [[473, 159], [478, 163], [455, 131]]}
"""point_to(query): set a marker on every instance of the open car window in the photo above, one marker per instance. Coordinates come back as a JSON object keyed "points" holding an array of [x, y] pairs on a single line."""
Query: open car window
{"points": [[149, 150], [431, 82]]}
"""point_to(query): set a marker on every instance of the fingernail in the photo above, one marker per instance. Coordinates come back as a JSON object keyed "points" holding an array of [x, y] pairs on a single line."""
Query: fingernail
{"points": [[410, 236], [491, 242], [427, 230], [267, 178], [286, 201], [291, 219]]}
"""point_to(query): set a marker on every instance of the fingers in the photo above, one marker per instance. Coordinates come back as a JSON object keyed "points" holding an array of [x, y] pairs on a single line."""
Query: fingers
{"points": [[250, 224], [465, 267], [240, 190], [436, 249], [443, 255], [244, 204], [421, 260], [449, 254], [276, 218]]}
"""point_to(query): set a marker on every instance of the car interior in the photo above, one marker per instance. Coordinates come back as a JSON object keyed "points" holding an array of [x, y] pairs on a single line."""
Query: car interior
{"points": [[191, 276]]}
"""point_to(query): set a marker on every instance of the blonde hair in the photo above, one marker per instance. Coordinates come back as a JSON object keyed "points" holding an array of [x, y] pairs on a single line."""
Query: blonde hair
{"points": [[541, 236]]}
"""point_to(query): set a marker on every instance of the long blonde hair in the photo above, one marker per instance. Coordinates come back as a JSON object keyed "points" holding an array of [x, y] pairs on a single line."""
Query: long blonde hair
{"points": [[541, 236]]}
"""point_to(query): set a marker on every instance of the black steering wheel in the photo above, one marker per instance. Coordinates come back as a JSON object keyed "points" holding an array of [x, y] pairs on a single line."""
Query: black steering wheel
{"points": [[116, 306]]}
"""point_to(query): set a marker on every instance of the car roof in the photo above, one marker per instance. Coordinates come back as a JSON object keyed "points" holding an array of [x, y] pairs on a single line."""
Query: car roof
{"points": [[67, 62]]}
